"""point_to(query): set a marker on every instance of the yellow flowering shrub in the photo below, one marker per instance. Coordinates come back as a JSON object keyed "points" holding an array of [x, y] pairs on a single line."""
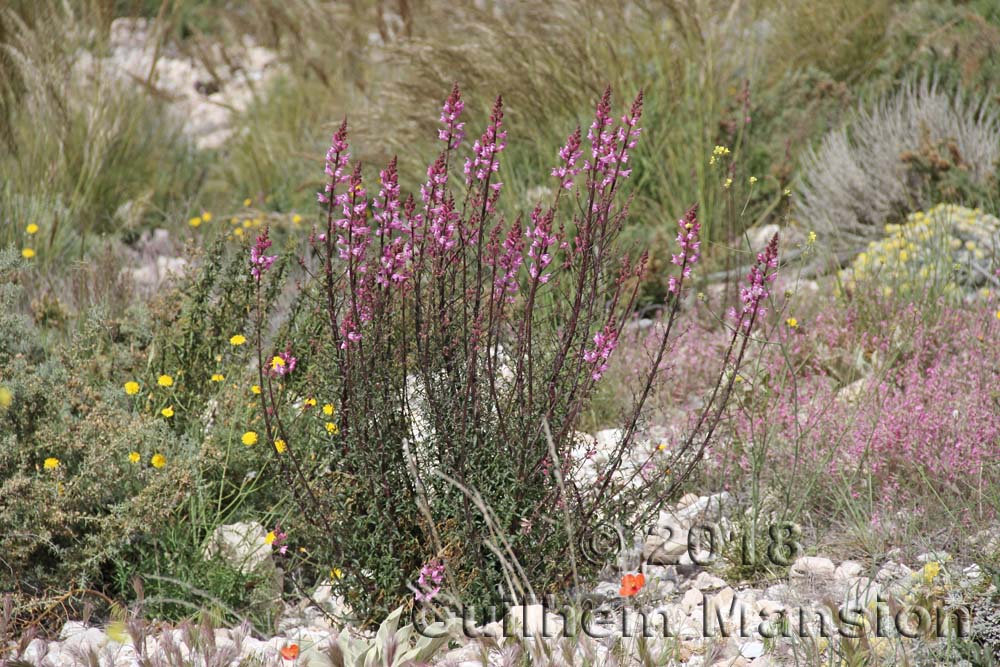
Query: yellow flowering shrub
{"points": [[938, 252]]}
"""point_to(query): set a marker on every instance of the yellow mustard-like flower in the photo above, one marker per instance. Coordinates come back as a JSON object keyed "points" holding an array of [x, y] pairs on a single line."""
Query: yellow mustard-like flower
{"points": [[131, 387], [296, 219], [309, 403], [165, 380], [255, 388], [206, 216], [249, 438], [158, 460], [336, 573], [238, 231], [332, 429], [792, 322], [753, 179], [218, 377], [270, 537], [51, 463], [133, 457], [931, 570], [728, 182], [247, 202], [277, 362]]}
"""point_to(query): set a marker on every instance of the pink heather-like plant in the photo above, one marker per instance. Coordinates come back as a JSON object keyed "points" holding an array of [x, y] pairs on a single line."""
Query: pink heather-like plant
{"points": [[753, 294], [259, 261], [429, 581], [464, 347]]}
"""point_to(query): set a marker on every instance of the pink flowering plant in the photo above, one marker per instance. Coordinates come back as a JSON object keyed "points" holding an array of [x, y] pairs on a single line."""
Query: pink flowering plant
{"points": [[454, 353]]}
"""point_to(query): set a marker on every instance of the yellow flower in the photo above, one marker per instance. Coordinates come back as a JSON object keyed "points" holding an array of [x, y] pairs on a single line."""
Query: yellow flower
{"points": [[158, 460], [27, 253], [270, 537], [218, 377], [930, 571], [998, 314], [195, 221], [661, 447], [277, 362], [133, 457], [718, 152], [792, 322], [238, 339], [6, 397], [728, 182], [206, 216], [247, 223], [32, 228], [332, 429], [812, 238], [328, 410], [296, 218], [51, 463], [168, 411], [787, 192], [165, 381], [336, 573], [280, 446], [238, 232], [247, 202], [249, 438], [903, 255], [255, 388], [310, 402], [753, 179], [131, 387]]}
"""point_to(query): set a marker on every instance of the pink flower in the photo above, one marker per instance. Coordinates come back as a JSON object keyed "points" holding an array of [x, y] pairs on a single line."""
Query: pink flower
{"points": [[485, 161], [752, 294], [429, 581], [605, 342], [452, 133], [259, 262], [569, 154], [282, 363], [690, 247]]}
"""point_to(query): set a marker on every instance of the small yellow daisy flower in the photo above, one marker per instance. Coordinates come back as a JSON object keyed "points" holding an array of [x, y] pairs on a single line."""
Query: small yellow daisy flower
{"points": [[277, 362], [812, 238], [309, 402], [280, 446], [133, 457], [165, 381], [255, 389], [296, 218], [328, 410], [249, 438], [238, 232], [32, 228], [168, 411], [218, 377], [336, 573], [206, 216], [237, 340], [28, 253], [247, 202], [792, 322], [195, 221], [51, 463], [998, 314], [270, 537], [332, 429], [131, 387], [662, 446], [158, 460]]}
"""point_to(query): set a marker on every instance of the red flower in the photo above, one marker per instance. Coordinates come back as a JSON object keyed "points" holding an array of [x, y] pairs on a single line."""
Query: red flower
{"points": [[632, 584], [290, 652]]}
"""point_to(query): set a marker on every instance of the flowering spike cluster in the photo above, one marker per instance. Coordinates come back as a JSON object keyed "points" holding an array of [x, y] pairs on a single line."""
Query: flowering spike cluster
{"points": [[337, 158], [259, 261], [569, 154], [542, 240], [484, 161], [396, 248], [506, 260], [429, 581], [753, 293], [605, 342], [609, 150], [453, 132], [690, 246]]}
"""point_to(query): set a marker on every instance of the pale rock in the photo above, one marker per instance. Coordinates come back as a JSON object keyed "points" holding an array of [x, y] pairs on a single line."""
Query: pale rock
{"points": [[665, 547], [892, 571], [712, 505], [848, 570], [686, 500], [527, 621], [812, 566], [705, 581], [692, 598], [934, 557], [752, 650], [863, 593], [241, 545]]}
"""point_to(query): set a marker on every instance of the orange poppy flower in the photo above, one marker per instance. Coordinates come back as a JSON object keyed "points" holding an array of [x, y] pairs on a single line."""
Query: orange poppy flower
{"points": [[290, 652], [632, 584]]}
